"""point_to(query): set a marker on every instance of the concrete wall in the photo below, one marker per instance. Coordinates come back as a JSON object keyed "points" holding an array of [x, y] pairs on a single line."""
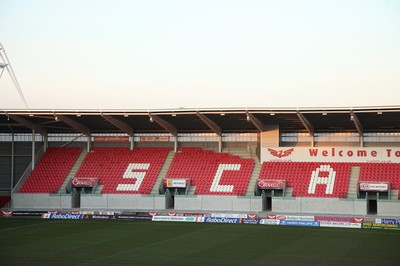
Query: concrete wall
{"points": [[205, 203], [388, 208], [218, 203], [115, 201], [319, 205], [41, 201]]}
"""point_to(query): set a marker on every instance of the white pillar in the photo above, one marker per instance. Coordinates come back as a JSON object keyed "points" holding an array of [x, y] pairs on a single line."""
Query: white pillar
{"points": [[132, 141], [33, 149], [176, 144], [12, 161], [45, 142], [89, 142]]}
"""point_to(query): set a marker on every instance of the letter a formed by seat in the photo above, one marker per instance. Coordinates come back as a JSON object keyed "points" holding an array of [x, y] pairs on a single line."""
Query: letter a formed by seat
{"points": [[317, 180]]}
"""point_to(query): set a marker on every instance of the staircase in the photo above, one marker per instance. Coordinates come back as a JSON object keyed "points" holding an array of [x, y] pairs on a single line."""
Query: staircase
{"points": [[394, 195], [353, 183], [288, 192], [254, 176], [73, 171], [98, 189], [163, 172], [191, 191]]}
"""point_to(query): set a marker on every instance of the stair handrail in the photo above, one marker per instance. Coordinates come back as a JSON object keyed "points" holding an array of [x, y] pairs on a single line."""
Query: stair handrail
{"points": [[28, 170]]}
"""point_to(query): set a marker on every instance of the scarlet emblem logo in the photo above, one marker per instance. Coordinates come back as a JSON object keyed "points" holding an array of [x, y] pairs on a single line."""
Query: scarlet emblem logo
{"points": [[280, 153]]}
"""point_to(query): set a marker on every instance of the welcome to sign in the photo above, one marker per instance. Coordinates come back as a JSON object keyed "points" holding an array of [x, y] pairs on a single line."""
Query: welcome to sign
{"points": [[331, 154]]}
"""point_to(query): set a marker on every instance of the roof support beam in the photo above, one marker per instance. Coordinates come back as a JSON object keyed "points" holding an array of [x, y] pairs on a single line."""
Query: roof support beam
{"points": [[357, 123], [119, 124], [211, 124], [28, 124], [306, 123], [164, 124], [257, 122], [75, 125]]}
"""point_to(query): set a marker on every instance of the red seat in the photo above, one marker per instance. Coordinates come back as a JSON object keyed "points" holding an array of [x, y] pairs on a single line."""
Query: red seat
{"points": [[110, 165], [201, 167], [299, 175], [51, 170]]}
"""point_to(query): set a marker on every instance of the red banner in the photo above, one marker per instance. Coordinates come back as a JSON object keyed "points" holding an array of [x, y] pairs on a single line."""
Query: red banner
{"points": [[373, 186], [111, 139], [341, 219], [271, 184], [84, 181]]}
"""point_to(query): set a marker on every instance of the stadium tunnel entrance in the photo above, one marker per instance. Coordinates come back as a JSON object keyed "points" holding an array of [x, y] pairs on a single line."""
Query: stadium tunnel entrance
{"points": [[76, 198], [172, 187], [268, 189], [79, 186]]}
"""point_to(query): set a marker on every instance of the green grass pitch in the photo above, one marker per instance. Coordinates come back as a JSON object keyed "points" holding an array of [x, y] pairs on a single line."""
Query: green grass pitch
{"points": [[115, 242]]}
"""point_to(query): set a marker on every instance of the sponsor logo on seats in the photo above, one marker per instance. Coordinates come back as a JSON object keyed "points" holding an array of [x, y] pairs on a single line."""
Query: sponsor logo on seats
{"points": [[84, 181], [271, 184], [374, 186], [177, 183]]}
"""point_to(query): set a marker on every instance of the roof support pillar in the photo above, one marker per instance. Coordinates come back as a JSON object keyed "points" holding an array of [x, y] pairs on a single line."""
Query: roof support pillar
{"points": [[45, 141], [359, 127], [176, 144], [89, 143], [219, 143], [33, 149], [132, 141], [12, 162]]}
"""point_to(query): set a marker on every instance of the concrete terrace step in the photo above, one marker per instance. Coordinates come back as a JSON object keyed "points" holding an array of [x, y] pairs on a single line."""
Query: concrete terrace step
{"points": [[73, 171], [353, 182], [163, 172]]}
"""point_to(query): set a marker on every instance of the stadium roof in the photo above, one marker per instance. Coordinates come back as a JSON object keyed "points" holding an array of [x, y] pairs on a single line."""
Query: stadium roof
{"points": [[182, 120]]}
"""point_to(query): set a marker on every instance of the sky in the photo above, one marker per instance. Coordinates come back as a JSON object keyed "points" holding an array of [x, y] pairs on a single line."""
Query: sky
{"points": [[97, 54]]}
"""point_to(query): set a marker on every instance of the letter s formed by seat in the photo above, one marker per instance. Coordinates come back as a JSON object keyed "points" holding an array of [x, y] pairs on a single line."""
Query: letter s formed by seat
{"points": [[130, 173]]}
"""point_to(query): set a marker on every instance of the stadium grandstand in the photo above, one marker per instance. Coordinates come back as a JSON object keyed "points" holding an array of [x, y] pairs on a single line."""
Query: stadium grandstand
{"points": [[293, 160]]}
